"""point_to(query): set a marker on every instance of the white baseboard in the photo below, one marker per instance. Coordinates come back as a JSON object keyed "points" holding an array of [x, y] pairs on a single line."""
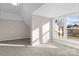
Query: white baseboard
{"points": [[12, 38]]}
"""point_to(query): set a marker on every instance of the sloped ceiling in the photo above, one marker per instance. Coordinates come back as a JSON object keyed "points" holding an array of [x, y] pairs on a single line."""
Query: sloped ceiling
{"points": [[27, 10], [21, 10], [51, 10], [9, 8]]}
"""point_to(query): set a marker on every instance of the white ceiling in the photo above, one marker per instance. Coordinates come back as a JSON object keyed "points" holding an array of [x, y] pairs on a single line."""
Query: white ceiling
{"points": [[21, 10], [8, 7], [51, 10], [27, 10]]}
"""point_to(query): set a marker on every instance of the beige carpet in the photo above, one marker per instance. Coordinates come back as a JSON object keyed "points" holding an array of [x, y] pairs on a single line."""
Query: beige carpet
{"points": [[50, 49]]}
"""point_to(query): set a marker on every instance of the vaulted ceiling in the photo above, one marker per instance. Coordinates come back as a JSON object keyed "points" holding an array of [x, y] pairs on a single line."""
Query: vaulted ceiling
{"points": [[8, 7], [24, 11], [57, 9], [20, 11], [27, 8]]}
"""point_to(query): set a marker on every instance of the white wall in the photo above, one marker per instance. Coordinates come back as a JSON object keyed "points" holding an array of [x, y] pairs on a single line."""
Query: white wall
{"points": [[10, 30], [40, 30], [51, 10], [10, 16], [13, 17], [26, 11]]}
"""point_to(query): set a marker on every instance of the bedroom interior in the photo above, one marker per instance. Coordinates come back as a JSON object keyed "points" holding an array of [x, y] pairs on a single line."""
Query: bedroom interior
{"points": [[39, 29]]}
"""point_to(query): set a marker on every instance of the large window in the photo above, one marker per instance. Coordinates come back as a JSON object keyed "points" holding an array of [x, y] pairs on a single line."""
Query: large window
{"points": [[58, 30], [73, 27]]}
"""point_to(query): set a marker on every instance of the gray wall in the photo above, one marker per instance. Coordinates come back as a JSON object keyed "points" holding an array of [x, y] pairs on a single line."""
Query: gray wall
{"points": [[10, 30]]}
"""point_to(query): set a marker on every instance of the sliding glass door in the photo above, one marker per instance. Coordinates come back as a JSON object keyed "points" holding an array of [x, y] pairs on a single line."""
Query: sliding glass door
{"points": [[58, 28], [66, 27], [73, 27]]}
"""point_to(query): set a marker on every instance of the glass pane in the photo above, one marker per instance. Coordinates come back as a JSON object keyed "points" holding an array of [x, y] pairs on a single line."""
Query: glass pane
{"points": [[73, 27], [58, 26]]}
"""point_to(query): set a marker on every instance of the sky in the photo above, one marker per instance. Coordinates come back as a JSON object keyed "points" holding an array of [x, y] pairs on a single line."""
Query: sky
{"points": [[72, 20]]}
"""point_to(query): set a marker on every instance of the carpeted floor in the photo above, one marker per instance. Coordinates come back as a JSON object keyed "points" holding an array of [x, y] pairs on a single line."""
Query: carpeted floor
{"points": [[50, 49]]}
